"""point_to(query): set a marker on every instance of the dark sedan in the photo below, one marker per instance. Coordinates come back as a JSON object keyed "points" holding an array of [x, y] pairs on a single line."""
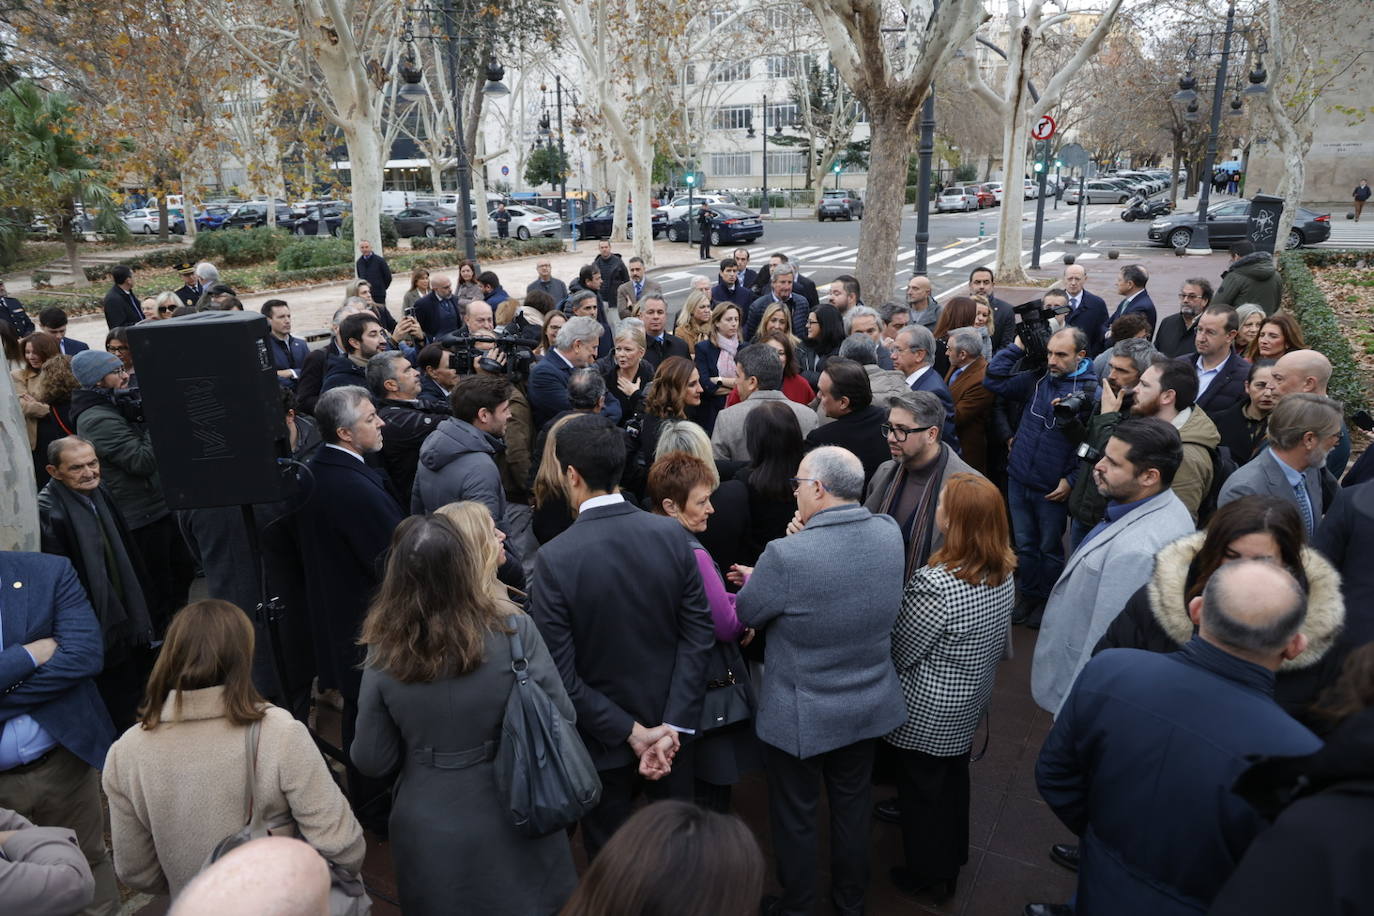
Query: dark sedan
{"points": [[430, 222], [1226, 223], [255, 214], [309, 224], [597, 224], [728, 225]]}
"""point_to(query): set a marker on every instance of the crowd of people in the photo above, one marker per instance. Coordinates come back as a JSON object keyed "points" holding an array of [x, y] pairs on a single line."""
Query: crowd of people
{"points": [[782, 532]]}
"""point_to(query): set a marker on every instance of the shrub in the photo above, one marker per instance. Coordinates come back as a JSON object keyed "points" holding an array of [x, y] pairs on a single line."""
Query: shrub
{"points": [[238, 247], [389, 236], [308, 252], [1320, 327]]}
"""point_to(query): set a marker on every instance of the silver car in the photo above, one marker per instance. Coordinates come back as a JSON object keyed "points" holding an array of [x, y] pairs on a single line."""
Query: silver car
{"points": [[1098, 192]]}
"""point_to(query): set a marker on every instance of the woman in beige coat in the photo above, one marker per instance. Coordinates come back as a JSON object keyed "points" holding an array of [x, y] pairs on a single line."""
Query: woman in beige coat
{"points": [[176, 780]]}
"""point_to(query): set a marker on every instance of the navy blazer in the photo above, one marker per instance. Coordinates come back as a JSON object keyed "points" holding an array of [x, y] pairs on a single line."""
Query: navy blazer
{"points": [[1141, 303], [71, 346], [42, 597], [435, 319], [345, 525], [1228, 388], [548, 391], [1091, 318], [930, 381], [121, 308], [289, 354], [799, 308], [741, 295]]}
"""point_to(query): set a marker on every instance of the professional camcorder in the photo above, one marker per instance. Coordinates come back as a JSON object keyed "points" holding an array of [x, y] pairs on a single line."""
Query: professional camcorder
{"points": [[1035, 330], [510, 351]]}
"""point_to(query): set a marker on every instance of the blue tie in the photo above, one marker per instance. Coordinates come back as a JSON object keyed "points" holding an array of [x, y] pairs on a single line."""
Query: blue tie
{"points": [[1305, 505]]}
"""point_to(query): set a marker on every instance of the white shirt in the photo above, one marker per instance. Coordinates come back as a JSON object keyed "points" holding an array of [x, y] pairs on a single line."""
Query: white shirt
{"points": [[1206, 376], [913, 377], [605, 499], [346, 451]]}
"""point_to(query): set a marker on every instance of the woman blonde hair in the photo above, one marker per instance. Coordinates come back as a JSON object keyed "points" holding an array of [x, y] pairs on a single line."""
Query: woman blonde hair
{"points": [[687, 326], [719, 312], [548, 483], [209, 644], [632, 329], [761, 332], [474, 523], [433, 612], [55, 380], [689, 438], [352, 288]]}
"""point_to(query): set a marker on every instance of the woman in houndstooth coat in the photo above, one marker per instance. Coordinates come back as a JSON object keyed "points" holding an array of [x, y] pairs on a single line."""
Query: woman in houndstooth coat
{"points": [[946, 643]]}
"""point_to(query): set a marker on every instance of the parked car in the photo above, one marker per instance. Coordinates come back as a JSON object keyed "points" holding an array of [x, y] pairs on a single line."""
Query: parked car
{"points": [[527, 220], [838, 202], [678, 205], [309, 222], [1029, 189], [1227, 222], [987, 195], [255, 214], [428, 221], [957, 197], [213, 217], [996, 188], [1099, 191], [728, 225], [597, 223], [142, 220]]}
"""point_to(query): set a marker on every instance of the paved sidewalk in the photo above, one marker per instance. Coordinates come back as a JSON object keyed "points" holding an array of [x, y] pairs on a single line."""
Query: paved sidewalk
{"points": [[312, 307]]}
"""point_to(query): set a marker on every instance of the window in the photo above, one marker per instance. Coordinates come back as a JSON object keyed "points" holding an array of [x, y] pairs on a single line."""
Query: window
{"points": [[724, 165], [784, 67], [786, 163], [735, 117], [859, 114], [729, 71], [783, 114], [778, 18]]}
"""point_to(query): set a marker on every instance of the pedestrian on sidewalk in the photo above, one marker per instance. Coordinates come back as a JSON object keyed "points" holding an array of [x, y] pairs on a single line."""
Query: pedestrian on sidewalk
{"points": [[704, 224], [1361, 195]]}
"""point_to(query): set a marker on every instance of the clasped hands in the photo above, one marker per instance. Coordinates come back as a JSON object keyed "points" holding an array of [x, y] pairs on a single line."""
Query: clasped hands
{"points": [[655, 747]]}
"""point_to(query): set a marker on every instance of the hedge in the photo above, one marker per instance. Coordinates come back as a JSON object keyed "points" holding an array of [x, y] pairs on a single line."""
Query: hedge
{"points": [[240, 247], [153, 260], [389, 236], [306, 253], [1320, 328], [493, 249]]}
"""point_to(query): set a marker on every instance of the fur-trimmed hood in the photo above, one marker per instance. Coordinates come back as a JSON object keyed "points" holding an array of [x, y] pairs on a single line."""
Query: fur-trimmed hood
{"points": [[1325, 606]]}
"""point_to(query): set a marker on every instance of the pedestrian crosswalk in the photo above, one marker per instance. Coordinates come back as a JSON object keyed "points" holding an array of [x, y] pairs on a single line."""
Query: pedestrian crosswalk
{"points": [[1347, 233], [955, 256]]}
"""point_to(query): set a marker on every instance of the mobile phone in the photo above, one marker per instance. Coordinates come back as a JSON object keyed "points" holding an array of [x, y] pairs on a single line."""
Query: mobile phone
{"points": [[409, 312]]}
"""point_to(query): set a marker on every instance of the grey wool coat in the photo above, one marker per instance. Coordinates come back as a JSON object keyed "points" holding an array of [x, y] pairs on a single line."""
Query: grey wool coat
{"points": [[830, 681], [453, 843]]}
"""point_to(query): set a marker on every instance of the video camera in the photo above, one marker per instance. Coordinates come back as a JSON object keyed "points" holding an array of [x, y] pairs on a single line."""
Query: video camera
{"points": [[515, 342], [1035, 330]]}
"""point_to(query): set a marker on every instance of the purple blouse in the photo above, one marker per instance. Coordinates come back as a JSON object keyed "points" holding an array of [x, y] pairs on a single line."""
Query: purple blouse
{"points": [[723, 617]]}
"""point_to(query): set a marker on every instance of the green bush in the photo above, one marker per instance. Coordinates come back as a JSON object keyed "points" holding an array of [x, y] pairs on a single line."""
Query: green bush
{"points": [[238, 247], [389, 236], [308, 252], [1320, 328]]}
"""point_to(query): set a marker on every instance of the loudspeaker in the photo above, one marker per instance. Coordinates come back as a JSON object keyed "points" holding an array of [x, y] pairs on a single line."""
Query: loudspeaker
{"points": [[213, 407]]}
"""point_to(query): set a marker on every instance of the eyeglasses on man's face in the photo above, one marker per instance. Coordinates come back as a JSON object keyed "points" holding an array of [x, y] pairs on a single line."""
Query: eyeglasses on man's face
{"points": [[796, 482], [900, 433]]}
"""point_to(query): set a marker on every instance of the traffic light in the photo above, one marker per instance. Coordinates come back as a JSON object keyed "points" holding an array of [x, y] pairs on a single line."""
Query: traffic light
{"points": [[836, 168], [1039, 166], [691, 179], [1058, 163]]}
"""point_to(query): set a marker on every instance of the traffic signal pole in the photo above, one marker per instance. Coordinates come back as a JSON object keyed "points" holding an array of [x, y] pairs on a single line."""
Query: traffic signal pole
{"points": [[1042, 167]]}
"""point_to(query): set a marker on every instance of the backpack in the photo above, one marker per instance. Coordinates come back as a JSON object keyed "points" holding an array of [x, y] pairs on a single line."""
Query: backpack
{"points": [[1223, 466]]}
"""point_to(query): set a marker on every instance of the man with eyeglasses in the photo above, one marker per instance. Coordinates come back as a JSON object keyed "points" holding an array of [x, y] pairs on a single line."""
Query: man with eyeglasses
{"points": [[117, 343], [1175, 334], [556, 289]]}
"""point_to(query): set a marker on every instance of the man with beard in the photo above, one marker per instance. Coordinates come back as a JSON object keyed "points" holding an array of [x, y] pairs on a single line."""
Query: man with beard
{"points": [[1168, 390], [1303, 430], [1117, 556], [1174, 336]]}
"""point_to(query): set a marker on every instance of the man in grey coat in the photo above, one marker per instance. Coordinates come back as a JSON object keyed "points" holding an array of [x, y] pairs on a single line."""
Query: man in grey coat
{"points": [[831, 689], [1116, 557], [42, 870], [458, 459], [759, 378]]}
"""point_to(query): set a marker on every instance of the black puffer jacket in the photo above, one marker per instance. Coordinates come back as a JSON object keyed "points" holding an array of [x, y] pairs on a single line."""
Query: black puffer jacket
{"points": [[1156, 619]]}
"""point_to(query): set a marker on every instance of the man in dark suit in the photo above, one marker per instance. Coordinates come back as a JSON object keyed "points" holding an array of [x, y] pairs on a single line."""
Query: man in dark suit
{"points": [[1221, 372], [12, 311], [856, 422], [374, 269], [980, 283], [1174, 336], [631, 637], [1088, 311], [658, 343], [437, 310], [1130, 284], [780, 279], [730, 287], [574, 348], [122, 307], [288, 353], [345, 525], [1343, 536], [747, 275], [54, 730], [53, 320], [913, 356]]}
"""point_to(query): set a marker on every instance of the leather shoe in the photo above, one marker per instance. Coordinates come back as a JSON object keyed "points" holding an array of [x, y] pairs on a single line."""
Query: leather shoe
{"points": [[910, 886], [1048, 909], [888, 810], [1065, 854]]}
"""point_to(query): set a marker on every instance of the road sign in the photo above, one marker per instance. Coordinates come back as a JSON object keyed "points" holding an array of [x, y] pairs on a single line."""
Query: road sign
{"points": [[1044, 128], [1073, 156], [505, 170]]}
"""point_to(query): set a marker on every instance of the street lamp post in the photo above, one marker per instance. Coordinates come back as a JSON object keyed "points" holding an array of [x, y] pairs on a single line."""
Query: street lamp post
{"points": [[763, 204], [1200, 242]]}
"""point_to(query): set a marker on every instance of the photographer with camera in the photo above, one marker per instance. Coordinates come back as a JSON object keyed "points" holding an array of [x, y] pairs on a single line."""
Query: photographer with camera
{"points": [[1042, 466], [1126, 360], [109, 416]]}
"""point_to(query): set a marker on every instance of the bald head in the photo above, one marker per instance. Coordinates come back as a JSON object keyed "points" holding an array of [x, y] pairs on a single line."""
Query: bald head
{"points": [[272, 876], [1302, 371], [1253, 609]]}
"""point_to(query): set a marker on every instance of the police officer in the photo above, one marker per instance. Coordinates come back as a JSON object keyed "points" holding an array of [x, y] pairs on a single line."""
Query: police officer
{"points": [[12, 311], [502, 219], [190, 290], [395, 388]]}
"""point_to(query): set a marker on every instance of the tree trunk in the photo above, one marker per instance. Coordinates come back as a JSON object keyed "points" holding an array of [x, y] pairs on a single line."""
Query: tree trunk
{"points": [[641, 180], [69, 240], [188, 206], [891, 135], [1008, 265], [618, 221], [436, 175], [18, 489], [1294, 144], [164, 227], [365, 158]]}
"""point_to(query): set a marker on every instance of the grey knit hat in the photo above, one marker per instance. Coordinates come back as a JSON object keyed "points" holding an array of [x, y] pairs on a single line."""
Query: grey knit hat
{"points": [[90, 366]]}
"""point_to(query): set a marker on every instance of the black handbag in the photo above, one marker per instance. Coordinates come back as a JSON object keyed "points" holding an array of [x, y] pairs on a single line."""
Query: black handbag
{"points": [[729, 696], [544, 774]]}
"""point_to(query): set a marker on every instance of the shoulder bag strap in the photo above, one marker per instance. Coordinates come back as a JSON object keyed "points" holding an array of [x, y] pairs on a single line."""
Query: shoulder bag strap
{"points": [[251, 739], [518, 663]]}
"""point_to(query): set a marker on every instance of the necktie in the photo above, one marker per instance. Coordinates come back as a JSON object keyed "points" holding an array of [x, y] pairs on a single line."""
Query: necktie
{"points": [[639, 288], [1305, 504], [1119, 309], [1073, 304]]}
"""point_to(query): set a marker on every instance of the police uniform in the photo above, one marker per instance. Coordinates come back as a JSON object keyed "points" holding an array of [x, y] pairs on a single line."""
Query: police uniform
{"points": [[190, 291], [12, 311]]}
